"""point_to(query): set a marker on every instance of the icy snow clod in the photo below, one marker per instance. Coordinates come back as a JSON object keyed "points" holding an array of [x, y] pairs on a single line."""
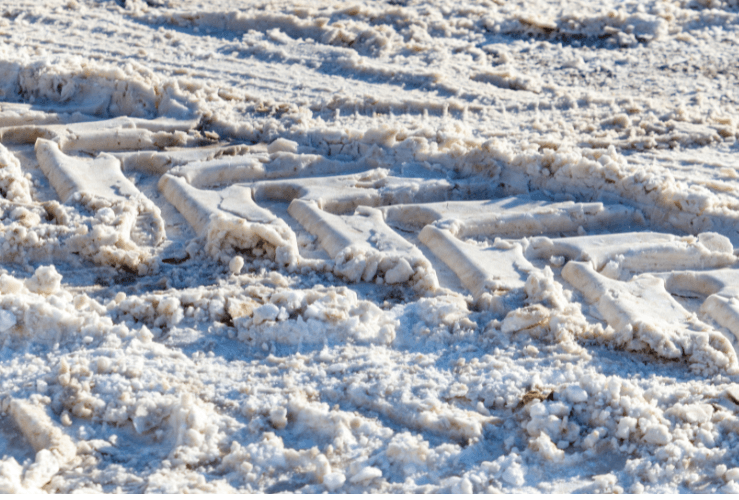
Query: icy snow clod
{"points": [[282, 145], [508, 78], [7, 320], [46, 281]]}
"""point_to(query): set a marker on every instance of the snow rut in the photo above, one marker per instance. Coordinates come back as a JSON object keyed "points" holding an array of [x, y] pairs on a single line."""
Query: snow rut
{"points": [[279, 205], [394, 246]]}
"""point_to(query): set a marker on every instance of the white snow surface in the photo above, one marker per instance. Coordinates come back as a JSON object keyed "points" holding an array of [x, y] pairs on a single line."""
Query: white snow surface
{"points": [[376, 246]]}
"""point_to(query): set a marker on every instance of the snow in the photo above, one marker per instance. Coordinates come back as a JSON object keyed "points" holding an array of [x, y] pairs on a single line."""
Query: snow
{"points": [[377, 247]]}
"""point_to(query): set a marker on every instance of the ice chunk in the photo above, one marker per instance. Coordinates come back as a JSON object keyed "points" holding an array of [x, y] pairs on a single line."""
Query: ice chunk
{"points": [[267, 312], [236, 264], [508, 78], [366, 475], [334, 480]]}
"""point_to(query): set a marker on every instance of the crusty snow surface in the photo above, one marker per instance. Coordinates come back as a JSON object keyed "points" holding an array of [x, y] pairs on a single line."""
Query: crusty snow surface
{"points": [[385, 246]]}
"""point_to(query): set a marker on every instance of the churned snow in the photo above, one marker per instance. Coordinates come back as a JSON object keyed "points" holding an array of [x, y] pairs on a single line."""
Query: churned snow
{"points": [[454, 247]]}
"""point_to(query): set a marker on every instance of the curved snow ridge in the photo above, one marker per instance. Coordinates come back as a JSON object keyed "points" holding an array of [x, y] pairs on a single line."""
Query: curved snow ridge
{"points": [[93, 135], [288, 28], [638, 252], [490, 274], [125, 226], [718, 289], [583, 172], [363, 246], [655, 192], [97, 89]]}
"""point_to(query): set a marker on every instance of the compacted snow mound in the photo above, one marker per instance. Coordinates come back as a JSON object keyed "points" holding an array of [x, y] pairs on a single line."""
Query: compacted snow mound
{"points": [[381, 247]]}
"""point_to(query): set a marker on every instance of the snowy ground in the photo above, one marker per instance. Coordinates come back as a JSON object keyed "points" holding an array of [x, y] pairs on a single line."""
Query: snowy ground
{"points": [[403, 246]]}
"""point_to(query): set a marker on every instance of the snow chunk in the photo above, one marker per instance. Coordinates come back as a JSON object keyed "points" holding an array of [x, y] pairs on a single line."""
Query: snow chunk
{"points": [[576, 394], [626, 426], [605, 482], [334, 480], [658, 434], [45, 281], [514, 475], [732, 474], [7, 320], [463, 487], [236, 264], [546, 448], [282, 145], [366, 475], [267, 312], [400, 273], [278, 417]]}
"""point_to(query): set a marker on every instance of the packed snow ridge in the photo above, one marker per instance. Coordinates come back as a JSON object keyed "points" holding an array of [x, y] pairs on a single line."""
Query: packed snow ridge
{"points": [[387, 247]]}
